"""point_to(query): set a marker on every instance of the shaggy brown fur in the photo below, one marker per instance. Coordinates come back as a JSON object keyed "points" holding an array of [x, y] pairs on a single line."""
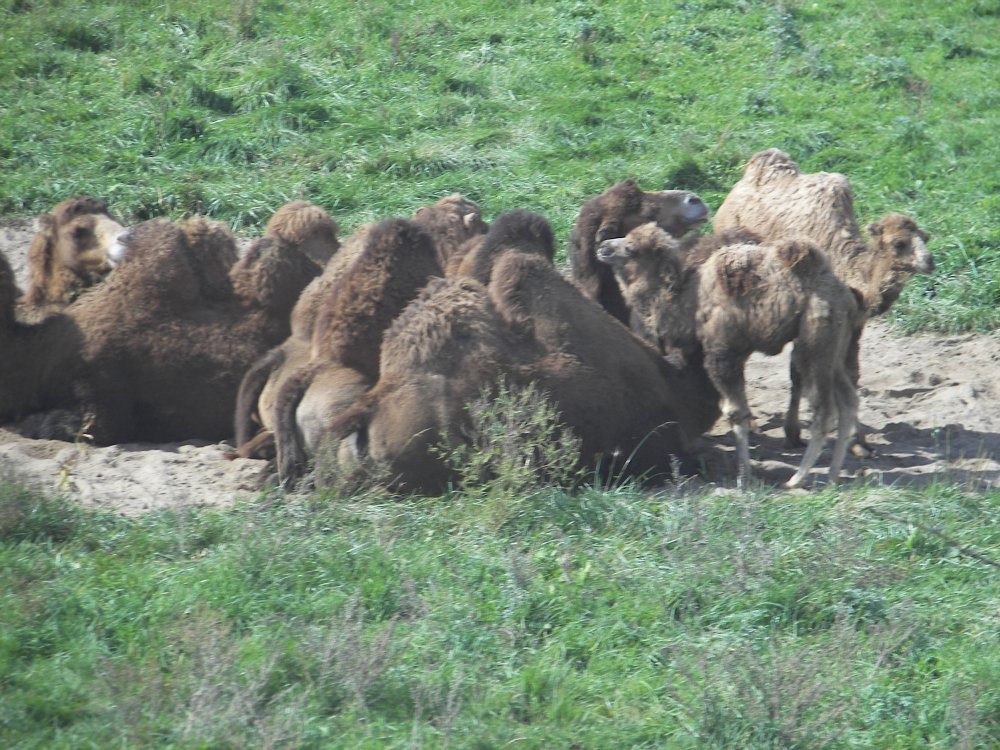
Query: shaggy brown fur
{"points": [[307, 227], [745, 299], [212, 252], [397, 261], [271, 275], [608, 411], [452, 222], [447, 346], [39, 361], [631, 410], [518, 231], [153, 359], [257, 398], [448, 222], [776, 199], [75, 247], [614, 213]]}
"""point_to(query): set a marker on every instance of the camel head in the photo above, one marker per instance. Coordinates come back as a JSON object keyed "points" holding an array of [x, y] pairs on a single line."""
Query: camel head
{"points": [[77, 244], [647, 255], [675, 211], [899, 251], [86, 238]]}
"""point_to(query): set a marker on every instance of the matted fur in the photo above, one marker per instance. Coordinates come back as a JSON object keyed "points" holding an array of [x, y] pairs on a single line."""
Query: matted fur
{"points": [[614, 213], [745, 299], [452, 222], [777, 200], [145, 355], [448, 221], [521, 231], [307, 227], [632, 410], [397, 260]]}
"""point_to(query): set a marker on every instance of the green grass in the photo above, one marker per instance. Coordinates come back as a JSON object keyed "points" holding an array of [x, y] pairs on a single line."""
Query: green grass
{"points": [[374, 108], [862, 618]]}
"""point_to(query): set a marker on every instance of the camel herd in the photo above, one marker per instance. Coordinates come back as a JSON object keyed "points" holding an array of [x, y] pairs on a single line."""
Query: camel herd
{"points": [[371, 350]]}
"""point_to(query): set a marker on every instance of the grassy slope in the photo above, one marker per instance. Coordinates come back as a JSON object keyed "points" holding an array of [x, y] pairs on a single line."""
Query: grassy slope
{"points": [[374, 108], [605, 619]]}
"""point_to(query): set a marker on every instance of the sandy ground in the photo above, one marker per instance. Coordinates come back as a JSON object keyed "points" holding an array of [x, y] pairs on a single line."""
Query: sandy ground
{"points": [[930, 404]]}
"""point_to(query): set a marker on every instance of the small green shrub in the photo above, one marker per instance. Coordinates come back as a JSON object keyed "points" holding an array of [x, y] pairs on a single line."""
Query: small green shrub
{"points": [[516, 444]]}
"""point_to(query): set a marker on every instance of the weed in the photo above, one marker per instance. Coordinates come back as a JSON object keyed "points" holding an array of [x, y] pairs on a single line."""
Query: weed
{"points": [[516, 443]]}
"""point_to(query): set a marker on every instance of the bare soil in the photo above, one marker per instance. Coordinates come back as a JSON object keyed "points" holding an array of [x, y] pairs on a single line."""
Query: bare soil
{"points": [[929, 402]]}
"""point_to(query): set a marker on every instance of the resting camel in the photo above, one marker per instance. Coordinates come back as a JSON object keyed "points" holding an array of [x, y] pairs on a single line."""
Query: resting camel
{"points": [[398, 259], [633, 412], [157, 351], [450, 222]]}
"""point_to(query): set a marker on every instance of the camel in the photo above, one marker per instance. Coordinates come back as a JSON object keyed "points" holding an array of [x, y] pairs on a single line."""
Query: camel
{"points": [[451, 222], [633, 412], [775, 199], [747, 298], [157, 351], [614, 213], [75, 246], [398, 259]]}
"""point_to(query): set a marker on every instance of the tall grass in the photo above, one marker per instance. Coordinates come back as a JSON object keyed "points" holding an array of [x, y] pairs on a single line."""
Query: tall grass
{"points": [[600, 619], [371, 109]]}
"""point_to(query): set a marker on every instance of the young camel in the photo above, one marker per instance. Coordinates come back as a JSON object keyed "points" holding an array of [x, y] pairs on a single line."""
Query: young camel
{"points": [[775, 199], [747, 298]]}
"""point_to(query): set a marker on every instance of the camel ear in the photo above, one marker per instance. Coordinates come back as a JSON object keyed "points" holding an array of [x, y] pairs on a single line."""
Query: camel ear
{"points": [[609, 229], [923, 235], [874, 229], [468, 220]]}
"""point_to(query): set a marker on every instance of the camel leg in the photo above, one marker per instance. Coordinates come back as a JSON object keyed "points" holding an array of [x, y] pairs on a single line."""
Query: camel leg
{"points": [[858, 444], [847, 419], [251, 386], [291, 454], [822, 413], [793, 430], [726, 371]]}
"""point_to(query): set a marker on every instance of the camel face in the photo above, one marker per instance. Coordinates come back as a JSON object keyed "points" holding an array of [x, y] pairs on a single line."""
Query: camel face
{"points": [[87, 243], [675, 211], [646, 251], [907, 241]]}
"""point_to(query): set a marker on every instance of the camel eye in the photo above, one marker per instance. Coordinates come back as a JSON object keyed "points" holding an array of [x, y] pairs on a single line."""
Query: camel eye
{"points": [[899, 245]]}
